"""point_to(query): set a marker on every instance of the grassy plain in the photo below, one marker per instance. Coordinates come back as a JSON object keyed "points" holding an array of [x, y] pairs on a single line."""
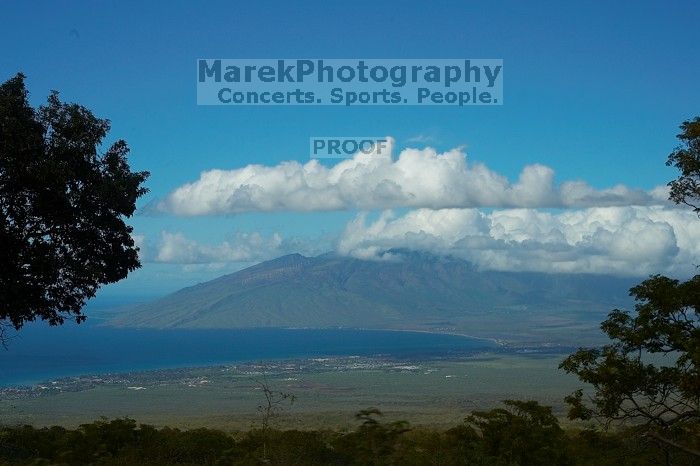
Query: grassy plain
{"points": [[436, 393]]}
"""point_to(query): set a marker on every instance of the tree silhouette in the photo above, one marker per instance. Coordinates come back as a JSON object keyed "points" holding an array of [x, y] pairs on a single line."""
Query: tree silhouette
{"points": [[274, 403], [523, 433], [62, 208], [686, 158], [649, 374]]}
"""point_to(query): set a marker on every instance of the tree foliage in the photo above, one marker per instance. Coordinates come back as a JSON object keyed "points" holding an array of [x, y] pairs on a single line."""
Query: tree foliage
{"points": [[523, 433], [275, 402], [649, 373], [374, 442], [517, 435], [63, 203], [686, 158]]}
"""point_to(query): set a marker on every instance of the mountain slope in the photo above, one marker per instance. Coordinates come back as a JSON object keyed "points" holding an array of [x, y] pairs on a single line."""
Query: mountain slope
{"points": [[419, 291]]}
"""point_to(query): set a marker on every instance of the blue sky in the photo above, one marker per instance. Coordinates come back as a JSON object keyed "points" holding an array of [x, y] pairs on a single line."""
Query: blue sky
{"points": [[594, 91]]}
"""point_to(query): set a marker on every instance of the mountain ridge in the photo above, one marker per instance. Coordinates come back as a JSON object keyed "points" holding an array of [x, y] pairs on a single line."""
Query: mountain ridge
{"points": [[415, 291]]}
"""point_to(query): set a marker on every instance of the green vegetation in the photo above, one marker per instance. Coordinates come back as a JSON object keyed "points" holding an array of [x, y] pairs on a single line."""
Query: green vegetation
{"points": [[329, 391], [649, 371], [521, 433], [686, 158], [62, 208]]}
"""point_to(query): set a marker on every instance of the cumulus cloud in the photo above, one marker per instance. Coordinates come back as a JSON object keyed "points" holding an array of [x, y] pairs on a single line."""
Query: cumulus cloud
{"points": [[629, 240], [417, 178], [139, 242], [618, 240], [177, 248]]}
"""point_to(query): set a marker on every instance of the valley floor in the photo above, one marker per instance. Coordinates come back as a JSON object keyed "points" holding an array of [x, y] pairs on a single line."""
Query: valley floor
{"points": [[328, 392]]}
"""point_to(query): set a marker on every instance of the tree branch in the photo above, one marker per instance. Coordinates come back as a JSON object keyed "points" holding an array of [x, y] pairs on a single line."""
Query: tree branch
{"points": [[671, 443]]}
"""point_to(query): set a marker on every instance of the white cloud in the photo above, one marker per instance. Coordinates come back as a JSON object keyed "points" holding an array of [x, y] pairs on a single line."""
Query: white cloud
{"points": [[421, 138], [418, 178], [176, 248], [619, 240], [140, 243]]}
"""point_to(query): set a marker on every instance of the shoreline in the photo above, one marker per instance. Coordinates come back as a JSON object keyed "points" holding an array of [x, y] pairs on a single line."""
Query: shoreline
{"points": [[498, 347], [328, 390], [181, 369], [496, 341]]}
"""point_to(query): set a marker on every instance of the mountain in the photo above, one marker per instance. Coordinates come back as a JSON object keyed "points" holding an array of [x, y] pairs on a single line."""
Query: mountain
{"points": [[414, 292]]}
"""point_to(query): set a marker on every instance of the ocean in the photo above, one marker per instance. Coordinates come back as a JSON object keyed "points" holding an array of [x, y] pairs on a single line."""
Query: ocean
{"points": [[39, 352]]}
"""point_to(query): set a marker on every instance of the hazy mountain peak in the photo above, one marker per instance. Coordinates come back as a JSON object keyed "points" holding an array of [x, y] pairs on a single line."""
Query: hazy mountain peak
{"points": [[416, 291]]}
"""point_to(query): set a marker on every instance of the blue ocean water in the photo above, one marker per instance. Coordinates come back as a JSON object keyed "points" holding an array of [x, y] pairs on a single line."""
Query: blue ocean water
{"points": [[39, 352]]}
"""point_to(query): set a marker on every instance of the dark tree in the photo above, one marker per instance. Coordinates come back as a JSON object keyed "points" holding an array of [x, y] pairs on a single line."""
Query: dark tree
{"points": [[686, 158], [275, 402], [63, 203], [523, 433], [649, 374]]}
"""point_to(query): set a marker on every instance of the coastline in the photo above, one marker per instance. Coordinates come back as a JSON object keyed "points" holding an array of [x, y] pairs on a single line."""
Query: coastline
{"points": [[499, 342], [425, 349]]}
